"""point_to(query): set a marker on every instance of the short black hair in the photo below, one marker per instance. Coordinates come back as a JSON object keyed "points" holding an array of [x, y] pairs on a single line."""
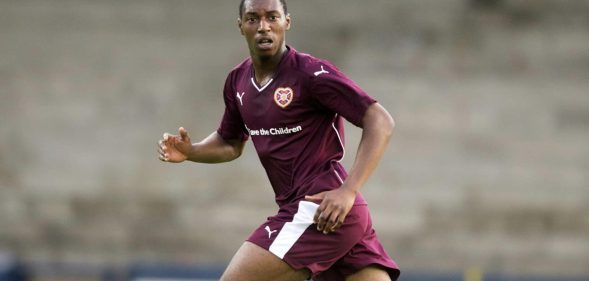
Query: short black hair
{"points": [[242, 7]]}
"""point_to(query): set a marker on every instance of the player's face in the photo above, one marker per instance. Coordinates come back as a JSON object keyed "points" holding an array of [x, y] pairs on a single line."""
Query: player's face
{"points": [[264, 25]]}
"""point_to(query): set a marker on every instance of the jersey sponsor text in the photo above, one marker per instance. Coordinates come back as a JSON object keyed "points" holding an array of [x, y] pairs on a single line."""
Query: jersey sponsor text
{"points": [[275, 131]]}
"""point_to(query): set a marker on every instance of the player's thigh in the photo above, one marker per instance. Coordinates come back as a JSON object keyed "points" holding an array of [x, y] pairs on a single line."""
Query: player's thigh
{"points": [[371, 273], [253, 263]]}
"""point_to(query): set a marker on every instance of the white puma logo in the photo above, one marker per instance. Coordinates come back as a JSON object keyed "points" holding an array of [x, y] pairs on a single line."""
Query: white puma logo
{"points": [[321, 71], [240, 97], [269, 231]]}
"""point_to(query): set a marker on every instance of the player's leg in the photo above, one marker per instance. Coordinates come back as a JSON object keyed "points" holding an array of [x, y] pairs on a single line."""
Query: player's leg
{"points": [[371, 273], [253, 263]]}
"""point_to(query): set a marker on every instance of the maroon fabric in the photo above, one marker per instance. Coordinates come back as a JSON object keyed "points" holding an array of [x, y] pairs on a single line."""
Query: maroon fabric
{"points": [[333, 256], [295, 122]]}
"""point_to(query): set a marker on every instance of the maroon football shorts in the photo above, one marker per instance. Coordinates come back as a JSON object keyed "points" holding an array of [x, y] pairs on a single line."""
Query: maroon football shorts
{"points": [[292, 236]]}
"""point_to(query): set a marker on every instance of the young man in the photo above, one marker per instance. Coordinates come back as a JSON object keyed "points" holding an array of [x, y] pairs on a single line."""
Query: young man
{"points": [[291, 105]]}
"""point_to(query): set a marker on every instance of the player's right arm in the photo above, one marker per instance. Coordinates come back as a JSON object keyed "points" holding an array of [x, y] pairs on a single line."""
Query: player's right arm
{"points": [[212, 149]]}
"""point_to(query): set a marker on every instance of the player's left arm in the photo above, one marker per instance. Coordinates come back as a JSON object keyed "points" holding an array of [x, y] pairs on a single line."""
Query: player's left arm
{"points": [[377, 130]]}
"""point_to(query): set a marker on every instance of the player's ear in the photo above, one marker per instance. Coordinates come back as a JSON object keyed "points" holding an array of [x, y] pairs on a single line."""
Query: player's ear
{"points": [[287, 17], [239, 23]]}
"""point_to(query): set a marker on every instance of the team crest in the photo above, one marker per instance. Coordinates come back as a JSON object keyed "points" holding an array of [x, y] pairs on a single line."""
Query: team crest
{"points": [[283, 96]]}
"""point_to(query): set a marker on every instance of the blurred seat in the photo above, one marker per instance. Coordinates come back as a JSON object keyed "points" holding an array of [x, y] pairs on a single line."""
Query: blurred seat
{"points": [[11, 269], [163, 272]]}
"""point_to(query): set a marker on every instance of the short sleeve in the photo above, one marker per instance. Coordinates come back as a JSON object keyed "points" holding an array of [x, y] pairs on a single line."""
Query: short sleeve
{"points": [[232, 126], [340, 94]]}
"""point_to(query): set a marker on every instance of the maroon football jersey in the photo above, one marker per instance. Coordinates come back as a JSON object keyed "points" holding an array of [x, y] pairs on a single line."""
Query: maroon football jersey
{"points": [[295, 122]]}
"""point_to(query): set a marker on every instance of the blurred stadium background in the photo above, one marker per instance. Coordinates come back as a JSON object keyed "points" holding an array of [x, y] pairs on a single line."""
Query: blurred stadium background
{"points": [[487, 177]]}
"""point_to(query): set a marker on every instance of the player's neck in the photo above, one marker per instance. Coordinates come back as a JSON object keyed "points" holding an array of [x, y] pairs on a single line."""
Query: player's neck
{"points": [[265, 67]]}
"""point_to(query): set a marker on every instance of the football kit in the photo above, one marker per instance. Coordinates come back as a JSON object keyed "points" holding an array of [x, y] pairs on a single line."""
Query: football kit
{"points": [[295, 122]]}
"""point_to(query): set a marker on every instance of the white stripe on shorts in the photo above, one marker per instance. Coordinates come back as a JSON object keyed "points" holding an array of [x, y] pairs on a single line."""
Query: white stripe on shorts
{"points": [[292, 231]]}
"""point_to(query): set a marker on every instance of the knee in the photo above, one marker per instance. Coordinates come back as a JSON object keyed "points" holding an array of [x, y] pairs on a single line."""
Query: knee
{"points": [[370, 273]]}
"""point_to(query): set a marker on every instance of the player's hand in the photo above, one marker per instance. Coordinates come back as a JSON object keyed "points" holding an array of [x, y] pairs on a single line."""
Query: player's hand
{"points": [[333, 209], [175, 148]]}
